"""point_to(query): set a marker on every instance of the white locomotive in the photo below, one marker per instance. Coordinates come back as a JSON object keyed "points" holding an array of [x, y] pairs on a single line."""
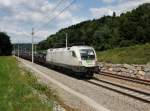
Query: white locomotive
{"points": [[79, 59]]}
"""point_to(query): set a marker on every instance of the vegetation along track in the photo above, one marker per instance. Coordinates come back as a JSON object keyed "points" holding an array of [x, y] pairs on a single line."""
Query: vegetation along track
{"points": [[119, 88], [127, 78]]}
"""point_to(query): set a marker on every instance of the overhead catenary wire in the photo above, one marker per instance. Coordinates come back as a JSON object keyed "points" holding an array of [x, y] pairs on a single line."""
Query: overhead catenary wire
{"points": [[64, 9], [53, 18], [52, 10], [33, 30], [57, 5]]}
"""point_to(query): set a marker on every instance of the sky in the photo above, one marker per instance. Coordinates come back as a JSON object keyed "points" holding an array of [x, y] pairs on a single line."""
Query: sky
{"points": [[18, 17]]}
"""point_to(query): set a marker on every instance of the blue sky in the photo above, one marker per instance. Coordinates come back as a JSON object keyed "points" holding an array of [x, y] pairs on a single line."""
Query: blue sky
{"points": [[19, 16]]}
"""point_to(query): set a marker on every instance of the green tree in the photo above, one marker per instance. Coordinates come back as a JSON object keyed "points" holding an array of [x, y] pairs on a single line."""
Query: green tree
{"points": [[5, 44], [108, 32]]}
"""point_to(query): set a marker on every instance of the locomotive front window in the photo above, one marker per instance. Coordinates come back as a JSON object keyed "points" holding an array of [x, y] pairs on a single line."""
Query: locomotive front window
{"points": [[87, 54]]}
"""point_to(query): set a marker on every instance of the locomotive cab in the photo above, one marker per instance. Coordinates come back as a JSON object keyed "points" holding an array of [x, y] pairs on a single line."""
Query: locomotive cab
{"points": [[87, 59]]}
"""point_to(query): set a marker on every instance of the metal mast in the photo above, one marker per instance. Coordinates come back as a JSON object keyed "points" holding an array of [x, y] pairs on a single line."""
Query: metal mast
{"points": [[32, 45], [18, 50], [66, 40]]}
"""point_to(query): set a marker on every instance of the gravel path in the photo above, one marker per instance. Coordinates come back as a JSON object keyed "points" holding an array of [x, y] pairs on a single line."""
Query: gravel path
{"points": [[85, 96]]}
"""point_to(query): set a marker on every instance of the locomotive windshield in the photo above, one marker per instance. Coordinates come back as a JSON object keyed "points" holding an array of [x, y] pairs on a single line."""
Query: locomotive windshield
{"points": [[87, 54]]}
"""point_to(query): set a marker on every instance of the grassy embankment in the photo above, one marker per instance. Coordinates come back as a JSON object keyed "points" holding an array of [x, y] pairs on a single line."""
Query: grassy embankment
{"points": [[139, 54], [20, 91]]}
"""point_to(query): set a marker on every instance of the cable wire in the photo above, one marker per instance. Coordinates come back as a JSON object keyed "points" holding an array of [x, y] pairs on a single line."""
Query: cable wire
{"points": [[73, 1]]}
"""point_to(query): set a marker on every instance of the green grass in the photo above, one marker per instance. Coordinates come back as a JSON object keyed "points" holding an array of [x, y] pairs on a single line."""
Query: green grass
{"points": [[17, 89], [139, 54]]}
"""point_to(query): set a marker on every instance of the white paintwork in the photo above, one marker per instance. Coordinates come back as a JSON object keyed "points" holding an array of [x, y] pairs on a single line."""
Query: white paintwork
{"points": [[63, 56]]}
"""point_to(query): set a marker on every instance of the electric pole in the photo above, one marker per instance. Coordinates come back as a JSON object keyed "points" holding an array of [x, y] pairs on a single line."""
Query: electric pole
{"points": [[14, 50], [32, 45], [66, 40], [18, 50], [35, 47]]}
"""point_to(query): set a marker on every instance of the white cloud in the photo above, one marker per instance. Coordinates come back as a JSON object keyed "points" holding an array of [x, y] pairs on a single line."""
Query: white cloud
{"points": [[64, 16], [5, 3], [108, 1], [122, 7], [23, 15], [99, 12], [19, 16], [76, 20]]}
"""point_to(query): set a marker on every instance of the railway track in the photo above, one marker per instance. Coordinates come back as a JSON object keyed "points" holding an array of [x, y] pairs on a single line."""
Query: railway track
{"points": [[122, 89], [127, 78], [125, 90]]}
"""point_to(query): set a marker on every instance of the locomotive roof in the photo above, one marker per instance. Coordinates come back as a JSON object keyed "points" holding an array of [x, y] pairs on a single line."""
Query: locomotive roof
{"points": [[80, 47]]}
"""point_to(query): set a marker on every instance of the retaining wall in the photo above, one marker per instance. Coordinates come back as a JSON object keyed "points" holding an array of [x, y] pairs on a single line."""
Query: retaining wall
{"points": [[138, 71]]}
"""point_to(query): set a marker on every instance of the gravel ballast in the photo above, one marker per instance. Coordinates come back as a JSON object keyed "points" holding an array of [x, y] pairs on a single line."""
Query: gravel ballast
{"points": [[104, 98]]}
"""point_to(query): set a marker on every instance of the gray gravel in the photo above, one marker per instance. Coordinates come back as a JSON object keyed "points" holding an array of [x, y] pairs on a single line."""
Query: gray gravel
{"points": [[108, 99]]}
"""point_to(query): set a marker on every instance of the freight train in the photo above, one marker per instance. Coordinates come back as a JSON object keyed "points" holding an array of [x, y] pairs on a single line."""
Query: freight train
{"points": [[79, 59]]}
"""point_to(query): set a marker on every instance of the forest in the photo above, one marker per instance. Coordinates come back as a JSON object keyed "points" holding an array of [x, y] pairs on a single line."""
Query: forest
{"points": [[128, 29]]}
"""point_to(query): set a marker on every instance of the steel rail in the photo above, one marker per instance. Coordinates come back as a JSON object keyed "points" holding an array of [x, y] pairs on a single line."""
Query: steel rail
{"points": [[128, 91], [137, 80]]}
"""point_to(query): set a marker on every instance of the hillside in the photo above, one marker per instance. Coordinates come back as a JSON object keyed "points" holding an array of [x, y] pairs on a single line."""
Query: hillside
{"points": [[108, 32], [139, 54]]}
